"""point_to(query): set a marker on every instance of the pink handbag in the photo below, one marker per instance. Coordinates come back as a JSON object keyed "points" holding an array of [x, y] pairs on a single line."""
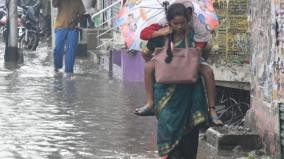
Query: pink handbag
{"points": [[182, 69]]}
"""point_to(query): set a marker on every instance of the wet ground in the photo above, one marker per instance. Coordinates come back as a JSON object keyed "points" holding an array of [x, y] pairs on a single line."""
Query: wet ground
{"points": [[47, 116]]}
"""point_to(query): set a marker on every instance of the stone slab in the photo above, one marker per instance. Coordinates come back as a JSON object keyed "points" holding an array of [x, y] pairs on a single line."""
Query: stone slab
{"points": [[90, 37], [230, 138]]}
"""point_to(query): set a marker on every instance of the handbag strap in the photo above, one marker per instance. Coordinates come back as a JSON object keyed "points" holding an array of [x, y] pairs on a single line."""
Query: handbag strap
{"points": [[166, 45], [169, 44], [186, 39]]}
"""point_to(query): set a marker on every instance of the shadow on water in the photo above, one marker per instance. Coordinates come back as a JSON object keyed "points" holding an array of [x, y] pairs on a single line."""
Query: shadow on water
{"points": [[11, 66]]}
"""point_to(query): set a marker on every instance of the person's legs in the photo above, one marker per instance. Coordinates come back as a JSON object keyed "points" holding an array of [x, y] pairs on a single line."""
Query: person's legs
{"points": [[48, 24], [90, 21], [189, 144], [60, 37], [72, 42], [149, 79], [187, 147], [176, 153], [83, 22], [149, 84], [208, 75]]}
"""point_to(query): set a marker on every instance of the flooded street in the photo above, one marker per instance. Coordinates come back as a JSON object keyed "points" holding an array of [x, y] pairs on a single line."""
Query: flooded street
{"points": [[47, 116]]}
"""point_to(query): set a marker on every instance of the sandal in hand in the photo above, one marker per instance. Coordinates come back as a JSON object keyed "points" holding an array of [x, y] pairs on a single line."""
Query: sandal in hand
{"points": [[144, 111]]}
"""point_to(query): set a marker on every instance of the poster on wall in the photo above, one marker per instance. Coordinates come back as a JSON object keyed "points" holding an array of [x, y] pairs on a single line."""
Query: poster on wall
{"points": [[231, 38]]}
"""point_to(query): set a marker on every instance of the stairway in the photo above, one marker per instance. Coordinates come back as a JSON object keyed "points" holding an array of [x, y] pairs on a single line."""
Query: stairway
{"points": [[106, 45], [101, 40]]}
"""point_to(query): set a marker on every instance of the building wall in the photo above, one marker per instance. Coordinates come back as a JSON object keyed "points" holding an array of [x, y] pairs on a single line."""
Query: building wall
{"points": [[263, 115], [278, 89], [230, 41], [230, 56]]}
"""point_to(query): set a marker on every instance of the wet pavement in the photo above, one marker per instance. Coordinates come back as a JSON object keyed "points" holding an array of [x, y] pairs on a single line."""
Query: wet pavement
{"points": [[47, 116]]}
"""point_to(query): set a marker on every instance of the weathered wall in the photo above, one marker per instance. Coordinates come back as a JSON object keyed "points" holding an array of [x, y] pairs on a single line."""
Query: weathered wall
{"points": [[278, 67], [264, 112], [230, 56], [230, 41]]}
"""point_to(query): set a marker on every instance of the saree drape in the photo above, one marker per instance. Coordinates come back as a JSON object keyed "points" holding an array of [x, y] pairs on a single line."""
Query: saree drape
{"points": [[180, 108]]}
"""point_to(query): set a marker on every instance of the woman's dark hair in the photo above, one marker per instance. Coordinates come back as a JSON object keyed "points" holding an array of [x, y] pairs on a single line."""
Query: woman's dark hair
{"points": [[176, 9]]}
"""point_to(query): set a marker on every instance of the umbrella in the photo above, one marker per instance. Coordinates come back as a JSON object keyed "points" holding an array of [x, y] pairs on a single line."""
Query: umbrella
{"points": [[206, 13], [135, 15]]}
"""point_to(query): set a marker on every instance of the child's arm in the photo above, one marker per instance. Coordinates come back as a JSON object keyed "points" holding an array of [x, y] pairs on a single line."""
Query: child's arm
{"points": [[153, 31], [200, 45], [162, 32], [156, 30]]}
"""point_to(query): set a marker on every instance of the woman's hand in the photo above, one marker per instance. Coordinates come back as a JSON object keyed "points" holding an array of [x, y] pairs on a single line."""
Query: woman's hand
{"points": [[162, 32], [166, 30]]}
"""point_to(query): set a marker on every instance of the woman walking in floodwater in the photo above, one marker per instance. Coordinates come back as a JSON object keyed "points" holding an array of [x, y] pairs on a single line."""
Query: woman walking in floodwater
{"points": [[181, 109]]}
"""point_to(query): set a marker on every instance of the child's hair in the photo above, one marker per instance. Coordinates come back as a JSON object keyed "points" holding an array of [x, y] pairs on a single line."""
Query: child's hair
{"points": [[176, 9], [189, 12]]}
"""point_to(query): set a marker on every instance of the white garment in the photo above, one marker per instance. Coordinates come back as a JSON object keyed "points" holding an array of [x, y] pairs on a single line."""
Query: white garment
{"points": [[201, 34], [88, 6]]}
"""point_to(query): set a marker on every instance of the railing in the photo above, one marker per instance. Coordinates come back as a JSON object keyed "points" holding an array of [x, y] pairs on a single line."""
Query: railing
{"points": [[104, 43], [98, 36], [107, 8], [105, 21]]}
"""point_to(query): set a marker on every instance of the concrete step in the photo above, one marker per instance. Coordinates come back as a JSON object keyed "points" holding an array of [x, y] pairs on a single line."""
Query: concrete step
{"points": [[118, 40], [99, 52], [104, 52], [90, 37], [230, 138], [105, 43]]}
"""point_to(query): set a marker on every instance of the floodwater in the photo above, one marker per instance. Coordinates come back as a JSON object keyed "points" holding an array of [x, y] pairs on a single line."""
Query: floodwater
{"points": [[47, 116], [43, 116]]}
